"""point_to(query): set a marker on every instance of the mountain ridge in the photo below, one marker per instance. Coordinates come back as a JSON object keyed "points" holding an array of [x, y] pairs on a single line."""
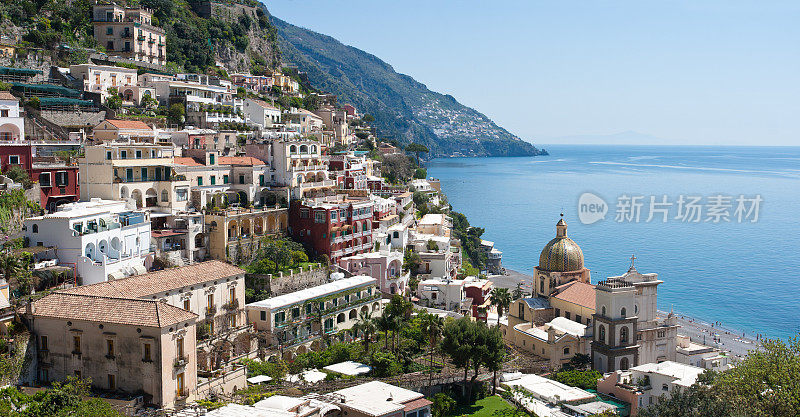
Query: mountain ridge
{"points": [[404, 109]]}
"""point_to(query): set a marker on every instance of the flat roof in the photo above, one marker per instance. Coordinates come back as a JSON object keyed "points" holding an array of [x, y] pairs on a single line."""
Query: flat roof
{"points": [[377, 398], [683, 374], [348, 368], [549, 390], [313, 292]]}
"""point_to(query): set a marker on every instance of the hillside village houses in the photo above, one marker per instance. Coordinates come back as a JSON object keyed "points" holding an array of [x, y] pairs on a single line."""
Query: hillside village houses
{"points": [[150, 214]]}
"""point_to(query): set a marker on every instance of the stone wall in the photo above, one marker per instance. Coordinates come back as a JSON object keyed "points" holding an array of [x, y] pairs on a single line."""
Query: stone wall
{"points": [[285, 283]]}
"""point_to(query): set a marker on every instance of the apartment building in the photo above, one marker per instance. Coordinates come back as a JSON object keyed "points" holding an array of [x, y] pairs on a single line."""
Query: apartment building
{"points": [[111, 130], [237, 232], [102, 239], [334, 226], [121, 344], [379, 399], [445, 294], [12, 125], [209, 101], [129, 33], [258, 84], [353, 170], [386, 266], [295, 163], [180, 239], [139, 172], [58, 182], [102, 79], [261, 113], [297, 321]]}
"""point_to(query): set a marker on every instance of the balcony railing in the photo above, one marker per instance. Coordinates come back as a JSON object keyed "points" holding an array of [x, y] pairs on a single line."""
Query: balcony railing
{"points": [[210, 311], [180, 361], [231, 305]]}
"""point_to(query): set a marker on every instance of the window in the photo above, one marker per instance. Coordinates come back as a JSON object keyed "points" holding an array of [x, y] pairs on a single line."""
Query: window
{"points": [[123, 154], [296, 312], [164, 196], [213, 179], [200, 181], [664, 387], [179, 347], [62, 179], [232, 294], [623, 335], [44, 179], [77, 373], [623, 364], [566, 351], [138, 154], [601, 334], [241, 179], [210, 301], [623, 312], [662, 333], [181, 194], [110, 347], [578, 318], [319, 217], [211, 159], [558, 312], [308, 308], [35, 228], [147, 353], [304, 213], [280, 317], [109, 30], [180, 384], [108, 155], [144, 174], [261, 179], [521, 313], [76, 344], [333, 215], [112, 381], [43, 343], [128, 174], [186, 304], [567, 315], [13, 159], [224, 179], [604, 310], [4, 113], [263, 315]]}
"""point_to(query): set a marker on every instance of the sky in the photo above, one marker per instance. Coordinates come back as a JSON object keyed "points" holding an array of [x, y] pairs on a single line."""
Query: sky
{"points": [[675, 72]]}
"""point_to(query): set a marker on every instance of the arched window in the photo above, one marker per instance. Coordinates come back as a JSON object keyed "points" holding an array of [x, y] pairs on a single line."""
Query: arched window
{"points": [[164, 196], [623, 335], [623, 364], [340, 318], [601, 334], [623, 312], [604, 310], [35, 228], [293, 149]]}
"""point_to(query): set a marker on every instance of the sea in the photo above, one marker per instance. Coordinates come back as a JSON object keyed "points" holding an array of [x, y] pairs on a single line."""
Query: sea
{"points": [[724, 235]]}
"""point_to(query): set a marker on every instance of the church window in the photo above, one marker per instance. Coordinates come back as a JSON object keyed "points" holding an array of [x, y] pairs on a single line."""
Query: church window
{"points": [[623, 335], [623, 364], [541, 286], [522, 310], [623, 312], [662, 333], [636, 309], [604, 310], [602, 333]]}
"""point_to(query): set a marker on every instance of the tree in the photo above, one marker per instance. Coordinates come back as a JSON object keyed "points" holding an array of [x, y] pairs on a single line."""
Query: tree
{"points": [[411, 261], [494, 354], [420, 173], [368, 118], [584, 379], [149, 103], [176, 114], [417, 148], [114, 101], [18, 174], [442, 405], [501, 298], [432, 326], [9, 264], [518, 292], [366, 326]]}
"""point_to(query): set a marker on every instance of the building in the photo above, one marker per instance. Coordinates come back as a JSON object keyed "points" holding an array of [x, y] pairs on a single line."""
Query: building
{"points": [[560, 261], [353, 170], [261, 113], [494, 257], [179, 239], [103, 240], [302, 121], [6, 309], [259, 84], [479, 292], [120, 344], [439, 259], [445, 294], [386, 266], [208, 101], [435, 224], [379, 399], [58, 182], [295, 163], [311, 405], [139, 172], [16, 154], [558, 340], [111, 130], [626, 305], [129, 33], [217, 181], [295, 322], [237, 232], [701, 356], [644, 385], [335, 226], [575, 301], [335, 120], [542, 396], [103, 79], [12, 125]]}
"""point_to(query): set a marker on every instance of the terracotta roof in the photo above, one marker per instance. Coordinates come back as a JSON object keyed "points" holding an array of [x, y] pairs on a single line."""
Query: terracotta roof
{"points": [[5, 95], [415, 404], [576, 292], [128, 311], [166, 233], [187, 161], [264, 104], [240, 160], [129, 124], [161, 281]]}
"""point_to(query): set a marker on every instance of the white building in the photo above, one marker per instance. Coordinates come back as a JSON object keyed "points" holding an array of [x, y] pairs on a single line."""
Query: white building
{"points": [[12, 126], [101, 78], [446, 294], [262, 113], [701, 356], [379, 399], [103, 239]]}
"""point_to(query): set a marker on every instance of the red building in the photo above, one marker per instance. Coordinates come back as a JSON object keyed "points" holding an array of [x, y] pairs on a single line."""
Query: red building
{"points": [[15, 153], [59, 183], [479, 292], [335, 226]]}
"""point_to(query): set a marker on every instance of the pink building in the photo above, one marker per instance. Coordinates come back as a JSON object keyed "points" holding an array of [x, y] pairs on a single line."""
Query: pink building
{"points": [[386, 267]]}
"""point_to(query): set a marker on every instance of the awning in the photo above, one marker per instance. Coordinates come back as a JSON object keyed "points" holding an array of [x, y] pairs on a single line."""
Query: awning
{"points": [[259, 379]]}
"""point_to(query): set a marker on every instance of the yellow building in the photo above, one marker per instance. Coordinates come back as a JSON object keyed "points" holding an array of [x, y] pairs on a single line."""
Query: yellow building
{"points": [[234, 229]]}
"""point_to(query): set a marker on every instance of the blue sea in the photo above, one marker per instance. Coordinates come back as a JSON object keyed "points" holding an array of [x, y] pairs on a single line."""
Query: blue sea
{"points": [[745, 274]]}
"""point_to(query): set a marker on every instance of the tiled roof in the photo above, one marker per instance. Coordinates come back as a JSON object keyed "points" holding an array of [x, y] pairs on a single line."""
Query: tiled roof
{"points": [[161, 281], [127, 311], [5, 95], [188, 161], [416, 404], [576, 292], [264, 104], [240, 160], [129, 124]]}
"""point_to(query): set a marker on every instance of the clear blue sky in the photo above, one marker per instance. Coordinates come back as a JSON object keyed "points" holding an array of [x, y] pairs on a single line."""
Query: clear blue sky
{"points": [[692, 72]]}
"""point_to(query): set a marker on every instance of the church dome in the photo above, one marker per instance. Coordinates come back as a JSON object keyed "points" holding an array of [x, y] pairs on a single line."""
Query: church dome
{"points": [[561, 254]]}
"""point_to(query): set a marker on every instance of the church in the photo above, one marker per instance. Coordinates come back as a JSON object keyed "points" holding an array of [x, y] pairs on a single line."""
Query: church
{"points": [[615, 322]]}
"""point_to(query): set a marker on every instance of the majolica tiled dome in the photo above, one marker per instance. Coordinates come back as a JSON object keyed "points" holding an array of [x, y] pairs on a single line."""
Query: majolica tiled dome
{"points": [[561, 254]]}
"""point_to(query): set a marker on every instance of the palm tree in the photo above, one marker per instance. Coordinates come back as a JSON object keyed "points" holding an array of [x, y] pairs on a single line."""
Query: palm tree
{"points": [[384, 324], [501, 298], [365, 325], [432, 326], [9, 265]]}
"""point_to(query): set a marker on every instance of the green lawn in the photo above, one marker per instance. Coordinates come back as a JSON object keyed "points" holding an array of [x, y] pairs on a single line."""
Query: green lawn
{"points": [[482, 408]]}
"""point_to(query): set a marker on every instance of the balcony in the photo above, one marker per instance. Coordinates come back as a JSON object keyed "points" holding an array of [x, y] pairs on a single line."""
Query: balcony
{"points": [[180, 361], [231, 305], [211, 310]]}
